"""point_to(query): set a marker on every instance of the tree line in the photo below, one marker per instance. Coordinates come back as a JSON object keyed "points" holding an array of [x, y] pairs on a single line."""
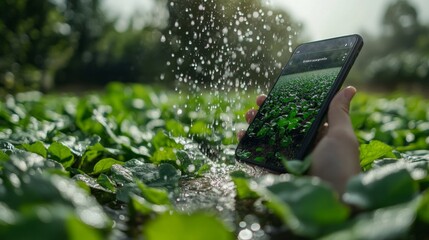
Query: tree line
{"points": [[46, 44]]}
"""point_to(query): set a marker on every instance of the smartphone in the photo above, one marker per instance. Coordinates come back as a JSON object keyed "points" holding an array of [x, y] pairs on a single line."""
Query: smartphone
{"points": [[287, 122]]}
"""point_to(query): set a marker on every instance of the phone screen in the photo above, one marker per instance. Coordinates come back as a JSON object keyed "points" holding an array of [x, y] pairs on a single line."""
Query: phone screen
{"points": [[290, 116]]}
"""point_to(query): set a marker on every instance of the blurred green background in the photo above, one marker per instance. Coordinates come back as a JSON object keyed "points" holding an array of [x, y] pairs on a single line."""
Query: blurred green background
{"points": [[63, 45]]}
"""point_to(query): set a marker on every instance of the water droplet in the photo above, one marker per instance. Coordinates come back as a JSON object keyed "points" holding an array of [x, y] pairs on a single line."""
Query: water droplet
{"points": [[245, 234], [191, 168], [255, 227]]}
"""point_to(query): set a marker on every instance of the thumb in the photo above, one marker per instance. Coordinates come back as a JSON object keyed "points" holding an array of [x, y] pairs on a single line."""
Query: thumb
{"points": [[338, 113]]}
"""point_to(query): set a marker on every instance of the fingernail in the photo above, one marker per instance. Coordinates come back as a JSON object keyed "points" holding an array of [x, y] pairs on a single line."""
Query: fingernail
{"points": [[349, 92]]}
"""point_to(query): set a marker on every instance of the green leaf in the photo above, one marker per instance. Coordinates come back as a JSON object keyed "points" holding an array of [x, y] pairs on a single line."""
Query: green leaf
{"points": [[106, 182], [381, 187], [61, 154], [297, 167], [373, 151], [203, 169], [105, 165], [163, 154], [37, 147], [175, 128], [306, 205], [327, 210], [197, 226], [77, 230], [200, 128], [162, 140], [168, 173], [393, 222], [3, 156], [423, 208], [140, 205], [154, 195], [242, 188]]}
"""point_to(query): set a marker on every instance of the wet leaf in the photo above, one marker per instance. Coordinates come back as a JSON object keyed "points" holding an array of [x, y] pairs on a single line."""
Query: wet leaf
{"points": [[297, 167], [164, 155], [142, 206], [197, 226], [61, 154], [242, 188], [162, 140], [373, 151], [106, 182], [3, 156], [37, 147], [381, 187], [154, 195], [306, 205], [200, 128], [175, 128], [393, 222], [105, 165]]}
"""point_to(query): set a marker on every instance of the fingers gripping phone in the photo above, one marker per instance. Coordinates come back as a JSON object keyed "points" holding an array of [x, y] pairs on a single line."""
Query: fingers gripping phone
{"points": [[287, 122]]}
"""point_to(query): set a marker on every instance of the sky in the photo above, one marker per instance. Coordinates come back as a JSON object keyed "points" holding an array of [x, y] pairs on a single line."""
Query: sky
{"points": [[320, 18], [329, 18]]}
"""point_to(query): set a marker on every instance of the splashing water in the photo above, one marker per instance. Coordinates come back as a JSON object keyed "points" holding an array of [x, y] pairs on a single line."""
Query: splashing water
{"points": [[227, 50], [224, 52]]}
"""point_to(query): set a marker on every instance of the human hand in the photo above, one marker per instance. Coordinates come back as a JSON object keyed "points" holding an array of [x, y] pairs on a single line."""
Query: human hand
{"points": [[336, 154]]}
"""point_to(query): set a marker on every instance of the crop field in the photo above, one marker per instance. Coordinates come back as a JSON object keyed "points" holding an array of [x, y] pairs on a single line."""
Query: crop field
{"points": [[136, 162], [287, 115]]}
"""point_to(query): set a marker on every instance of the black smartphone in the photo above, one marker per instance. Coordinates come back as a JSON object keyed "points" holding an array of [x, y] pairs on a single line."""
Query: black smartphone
{"points": [[287, 122]]}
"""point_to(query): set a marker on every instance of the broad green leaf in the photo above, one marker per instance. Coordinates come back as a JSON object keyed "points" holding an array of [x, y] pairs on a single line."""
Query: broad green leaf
{"points": [[297, 167], [381, 187], [124, 192], [77, 230], [37, 147], [168, 172], [242, 188], [191, 162], [203, 169], [103, 194], [121, 175], [23, 163], [163, 155], [162, 140], [7, 215], [3, 156], [38, 194], [200, 128], [93, 152], [61, 154], [154, 195], [106, 182], [306, 205], [393, 222], [142, 206], [176, 128], [39, 222], [373, 151], [146, 172], [78, 145], [197, 226], [423, 208], [105, 164]]}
